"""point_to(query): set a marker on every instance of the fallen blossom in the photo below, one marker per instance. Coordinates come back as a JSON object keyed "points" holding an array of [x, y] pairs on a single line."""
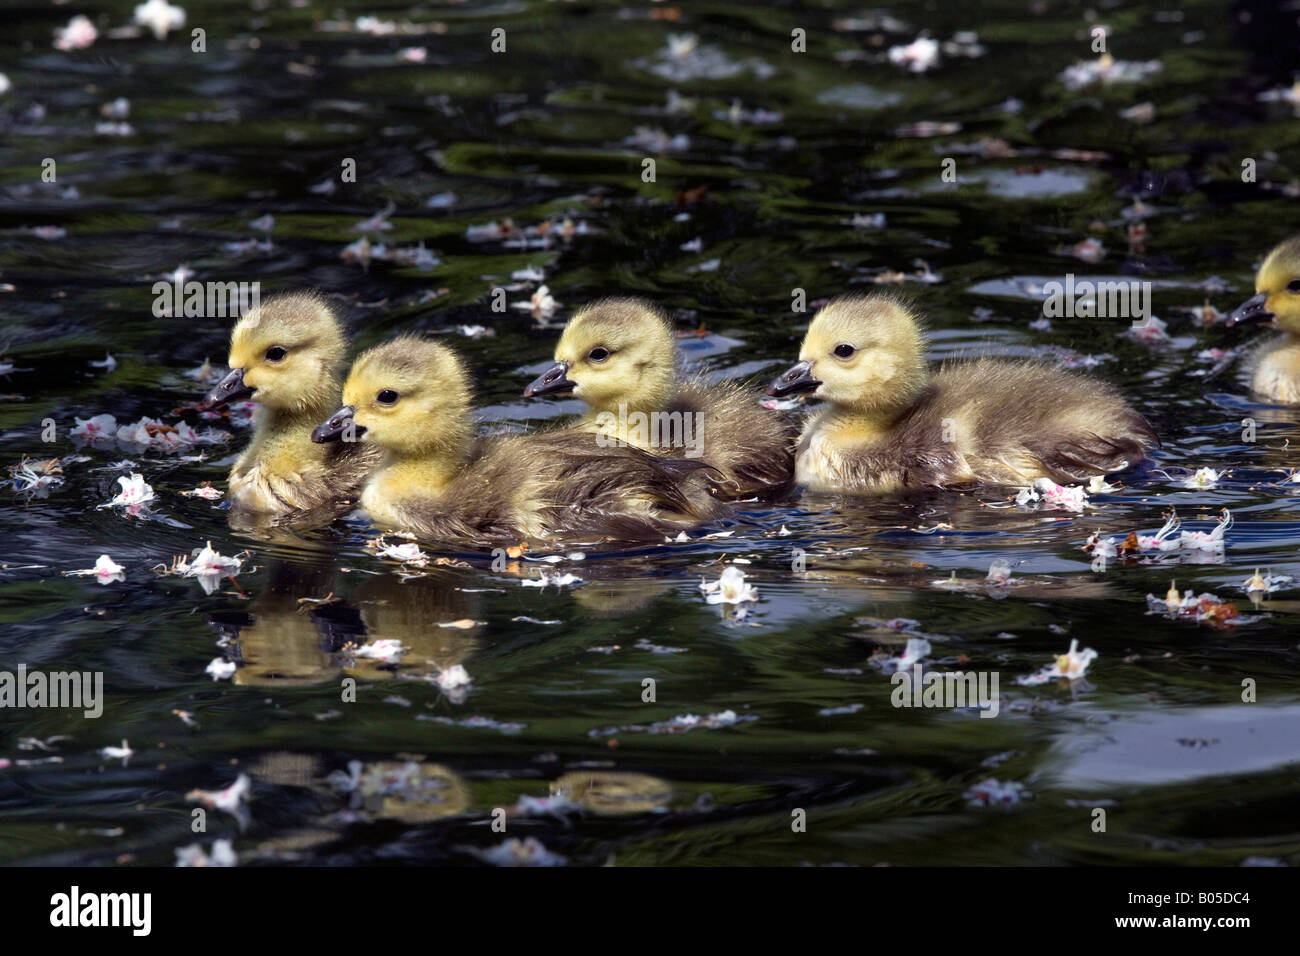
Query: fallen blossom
{"points": [[514, 852], [105, 571], [1208, 540], [1162, 540], [454, 677], [204, 490], [160, 17], [999, 572], [730, 588], [1150, 332], [98, 428], [388, 650], [950, 583], [545, 579], [918, 56], [541, 304], [1201, 608], [123, 753], [77, 35], [221, 669], [558, 806], [223, 854], [135, 492], [1099, 547], [36, 477], [233, 799], [915, 651], [379, 221], [991, 792], [1203, 479], [1265, 583], [1107, 70], [408, 553], [1071, 665], [208, 563]]}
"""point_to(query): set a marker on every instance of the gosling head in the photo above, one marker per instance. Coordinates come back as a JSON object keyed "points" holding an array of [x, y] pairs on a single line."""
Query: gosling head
{"points": [[285, 354], [409, 396], [1277, 290], [865, 352], [615, 351]]}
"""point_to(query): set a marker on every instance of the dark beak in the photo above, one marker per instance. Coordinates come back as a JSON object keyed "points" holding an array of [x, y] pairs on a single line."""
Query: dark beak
{"points": [[229, 389], [797, 378], [554, 379], [338, 427], [1252, 310]]}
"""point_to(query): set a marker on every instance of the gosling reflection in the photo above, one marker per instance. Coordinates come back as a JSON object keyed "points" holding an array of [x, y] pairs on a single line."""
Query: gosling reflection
{"points": [[413, 792], [299, 631], [435, 621]]}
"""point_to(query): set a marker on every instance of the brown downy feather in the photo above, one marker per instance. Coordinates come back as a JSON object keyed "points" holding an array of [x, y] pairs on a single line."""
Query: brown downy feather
{"points": [[752, 448], [573, 488]]}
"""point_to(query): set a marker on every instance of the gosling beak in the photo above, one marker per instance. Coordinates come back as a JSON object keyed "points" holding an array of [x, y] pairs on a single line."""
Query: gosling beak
{"points": [[797, 378], [229, 389], [1252, 310], [554, 379], [338, 427]]}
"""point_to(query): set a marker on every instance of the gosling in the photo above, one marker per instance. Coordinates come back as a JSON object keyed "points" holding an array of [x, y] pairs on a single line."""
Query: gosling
{"points": [[890, 424]]}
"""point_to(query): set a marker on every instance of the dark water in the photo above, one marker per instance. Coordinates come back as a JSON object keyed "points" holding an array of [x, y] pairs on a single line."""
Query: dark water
{"points": [[1156, 734]]}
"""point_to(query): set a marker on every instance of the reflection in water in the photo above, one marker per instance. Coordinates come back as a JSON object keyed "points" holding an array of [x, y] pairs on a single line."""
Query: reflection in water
{"points": [[414, 792], [298, 631], [614, 793]]}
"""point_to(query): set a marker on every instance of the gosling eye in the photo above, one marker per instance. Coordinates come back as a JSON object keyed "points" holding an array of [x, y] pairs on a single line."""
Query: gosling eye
{"points": [[598, 354], [1293, 285], [844, 350], [276, 353], [387, 397]]}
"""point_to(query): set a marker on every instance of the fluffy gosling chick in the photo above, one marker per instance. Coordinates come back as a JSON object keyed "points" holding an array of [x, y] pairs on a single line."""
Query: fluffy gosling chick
{"points": [[890, 424], [1276, 374], [620, 357], [411, 397], [287, 356]]}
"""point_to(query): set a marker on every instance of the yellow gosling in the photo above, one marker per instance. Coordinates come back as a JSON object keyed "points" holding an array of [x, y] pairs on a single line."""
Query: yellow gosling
{"points": [[411, 398], [287, 356], [1276, 365], [890, 424], [620, 357]]}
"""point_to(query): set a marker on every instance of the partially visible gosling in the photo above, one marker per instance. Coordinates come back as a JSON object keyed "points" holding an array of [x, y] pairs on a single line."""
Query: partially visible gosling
{"points": [[890, 424], [1276, 374], [411, 397], [620, 357], [287, 356]]}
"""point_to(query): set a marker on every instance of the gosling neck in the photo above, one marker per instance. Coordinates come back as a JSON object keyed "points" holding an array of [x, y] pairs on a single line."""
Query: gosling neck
{"points": [[277, 424], [874, 415], [610, 416], [428, 468]]}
